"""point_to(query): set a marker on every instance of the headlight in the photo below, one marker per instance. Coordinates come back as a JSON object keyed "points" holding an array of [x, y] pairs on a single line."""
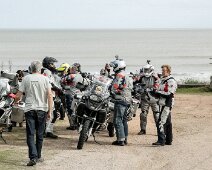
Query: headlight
{"points": [[98, 90]]}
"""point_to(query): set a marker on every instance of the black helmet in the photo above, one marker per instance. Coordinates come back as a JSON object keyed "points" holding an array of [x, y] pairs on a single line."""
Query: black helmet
{"points": [[78, 66], [102, 72], [48, 62]]}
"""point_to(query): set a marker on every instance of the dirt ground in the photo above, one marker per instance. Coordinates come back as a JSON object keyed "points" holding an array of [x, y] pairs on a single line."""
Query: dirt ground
{"points": [[191, 149]]}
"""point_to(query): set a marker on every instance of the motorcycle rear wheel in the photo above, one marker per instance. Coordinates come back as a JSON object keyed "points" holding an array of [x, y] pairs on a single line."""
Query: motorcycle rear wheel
{"points": [[110, 129]]}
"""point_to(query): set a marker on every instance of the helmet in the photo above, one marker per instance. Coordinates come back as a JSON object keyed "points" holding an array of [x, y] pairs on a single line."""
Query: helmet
{"points": [[102, 72], [72, 70], [48, 62], [118, 64], [107, 67], [148, 69], [63, 67], [78, 66]]}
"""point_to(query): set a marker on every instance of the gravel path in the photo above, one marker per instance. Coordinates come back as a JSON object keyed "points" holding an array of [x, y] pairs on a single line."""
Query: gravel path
{"points": [[191, 149]]}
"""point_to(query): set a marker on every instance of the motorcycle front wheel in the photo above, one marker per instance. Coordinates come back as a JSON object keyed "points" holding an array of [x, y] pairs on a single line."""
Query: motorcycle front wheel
{"points": [[83, 134]]}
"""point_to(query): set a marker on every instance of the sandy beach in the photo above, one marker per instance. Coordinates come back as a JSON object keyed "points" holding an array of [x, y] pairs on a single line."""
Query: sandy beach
{"points": [[191, 149]]}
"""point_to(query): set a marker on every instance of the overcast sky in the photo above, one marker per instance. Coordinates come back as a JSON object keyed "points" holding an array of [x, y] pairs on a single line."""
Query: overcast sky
{"points": [[88, 14]]}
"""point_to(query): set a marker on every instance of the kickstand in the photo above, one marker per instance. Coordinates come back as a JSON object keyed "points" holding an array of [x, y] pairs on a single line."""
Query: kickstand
{"points": [[1, 136], [95, 139]]}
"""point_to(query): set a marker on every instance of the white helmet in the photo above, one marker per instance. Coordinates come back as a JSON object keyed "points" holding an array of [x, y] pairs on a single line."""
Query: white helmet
{"points": [[148, 70], [118, 64]]}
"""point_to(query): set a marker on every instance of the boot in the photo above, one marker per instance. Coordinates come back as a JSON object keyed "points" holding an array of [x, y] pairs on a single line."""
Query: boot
{"points": [[32, 162], [125, 141], [71, 122], [51, 135], [49, 131], [142, 132], [168, 143], [158, 143], [118, 143]]}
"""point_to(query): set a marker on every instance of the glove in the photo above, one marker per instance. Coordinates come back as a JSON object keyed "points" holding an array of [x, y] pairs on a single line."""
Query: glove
{"points": [[154, 93]]}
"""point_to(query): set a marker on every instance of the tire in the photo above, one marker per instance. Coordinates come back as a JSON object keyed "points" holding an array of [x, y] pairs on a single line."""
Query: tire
{"points": [[110, 129], [83, 134]]}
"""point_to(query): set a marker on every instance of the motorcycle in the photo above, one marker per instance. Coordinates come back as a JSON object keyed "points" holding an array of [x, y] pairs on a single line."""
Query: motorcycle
{"points": [[77, 92], [6, 103], [93, 109]]}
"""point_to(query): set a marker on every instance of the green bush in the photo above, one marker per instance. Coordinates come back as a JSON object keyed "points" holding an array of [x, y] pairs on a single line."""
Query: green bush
{"points": [[193, 81], [195, 90]]}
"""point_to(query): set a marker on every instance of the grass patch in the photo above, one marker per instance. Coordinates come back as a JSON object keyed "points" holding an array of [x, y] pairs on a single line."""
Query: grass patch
{"points": [[4, 155], [11, 159], [193, 81], [14, 154], [195, 90]]}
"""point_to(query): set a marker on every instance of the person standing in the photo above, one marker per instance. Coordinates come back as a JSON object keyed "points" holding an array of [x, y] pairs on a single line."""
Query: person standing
{"points": [[49, 70], [17, 82], [38, 108], [121, 92], [71, 80], [165, 93], [62, 72], [149, 80]]}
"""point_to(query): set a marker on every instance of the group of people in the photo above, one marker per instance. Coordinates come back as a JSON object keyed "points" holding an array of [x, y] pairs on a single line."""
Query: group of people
{"points": [[163, 87], [159, 87], [46, 82]]}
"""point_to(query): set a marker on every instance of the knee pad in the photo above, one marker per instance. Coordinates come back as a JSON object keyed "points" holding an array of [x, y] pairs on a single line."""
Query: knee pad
{"points": [[156, 116]]}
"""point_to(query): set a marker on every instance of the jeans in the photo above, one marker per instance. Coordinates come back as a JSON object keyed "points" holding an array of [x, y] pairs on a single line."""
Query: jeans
{"points": [[120, 121], [35, 123]]}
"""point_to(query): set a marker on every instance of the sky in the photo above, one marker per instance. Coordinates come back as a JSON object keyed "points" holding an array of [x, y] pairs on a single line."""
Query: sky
{"points": [[105, 14]]}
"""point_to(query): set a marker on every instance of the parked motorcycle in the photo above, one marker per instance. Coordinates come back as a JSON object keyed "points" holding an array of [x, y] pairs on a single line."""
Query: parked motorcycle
{"points": [[5, 112], [93, 109]]}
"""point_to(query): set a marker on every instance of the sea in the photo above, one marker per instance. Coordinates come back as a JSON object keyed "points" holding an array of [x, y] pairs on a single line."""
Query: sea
{"points": [[187, 51]]}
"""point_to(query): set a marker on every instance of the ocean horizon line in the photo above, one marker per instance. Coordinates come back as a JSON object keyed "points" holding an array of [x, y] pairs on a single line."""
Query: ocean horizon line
{"points": [[105, 29]]}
